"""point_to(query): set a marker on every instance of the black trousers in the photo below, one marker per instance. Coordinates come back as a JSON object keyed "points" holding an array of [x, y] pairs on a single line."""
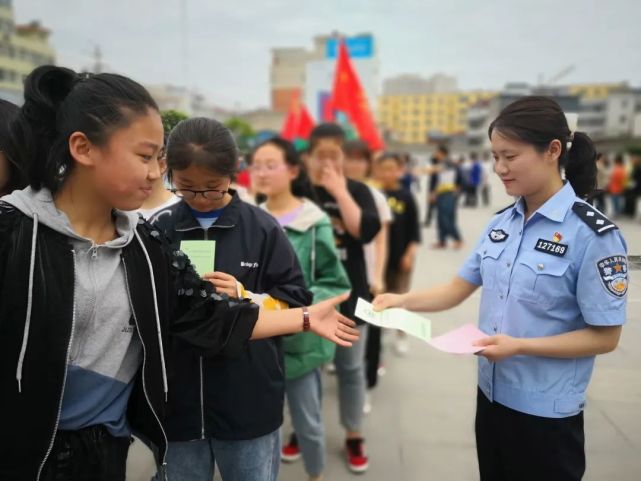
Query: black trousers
{"points": [[90, 454], [372, 355], [513, 446]]}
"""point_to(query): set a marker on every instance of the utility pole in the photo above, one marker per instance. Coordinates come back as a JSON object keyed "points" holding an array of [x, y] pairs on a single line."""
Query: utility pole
{"points": [[98, 66], [184, 42]]}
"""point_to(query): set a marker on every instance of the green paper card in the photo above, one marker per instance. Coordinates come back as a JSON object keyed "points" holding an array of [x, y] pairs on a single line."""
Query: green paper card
{"points": [[201, 253], [401, 319]]}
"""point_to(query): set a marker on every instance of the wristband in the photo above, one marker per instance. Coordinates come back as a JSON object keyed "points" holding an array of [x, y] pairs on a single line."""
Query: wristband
{"points": [[306, 323]]}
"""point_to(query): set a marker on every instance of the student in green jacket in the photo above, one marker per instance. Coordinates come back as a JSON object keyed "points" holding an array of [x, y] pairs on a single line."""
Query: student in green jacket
{"points": [[277, 173]]}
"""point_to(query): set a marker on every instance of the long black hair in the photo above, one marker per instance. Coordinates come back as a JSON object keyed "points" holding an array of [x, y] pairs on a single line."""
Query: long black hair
{"points": [[59, 102], [17, 176], [301, 186], [538, 121], [203, 142]]}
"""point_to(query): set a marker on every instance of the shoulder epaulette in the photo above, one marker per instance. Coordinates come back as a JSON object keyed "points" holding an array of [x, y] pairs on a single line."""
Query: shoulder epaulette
{"points": [[505, 208], [593, 218]]}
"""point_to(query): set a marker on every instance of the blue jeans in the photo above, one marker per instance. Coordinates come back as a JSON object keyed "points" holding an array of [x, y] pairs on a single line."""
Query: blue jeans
{"points": [[304, 397], [252, 460], [350, 371], [446, 215], [617, 204]]}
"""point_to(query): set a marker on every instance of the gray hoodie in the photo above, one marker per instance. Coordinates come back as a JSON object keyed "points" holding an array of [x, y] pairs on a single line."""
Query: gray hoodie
{"points": [[105, 351]]}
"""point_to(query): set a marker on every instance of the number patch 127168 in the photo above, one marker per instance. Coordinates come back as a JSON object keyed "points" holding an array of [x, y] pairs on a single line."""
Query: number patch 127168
{"points": [[550, 247]]}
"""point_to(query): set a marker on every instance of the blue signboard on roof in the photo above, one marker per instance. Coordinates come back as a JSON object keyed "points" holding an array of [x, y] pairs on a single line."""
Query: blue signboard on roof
{"points": [[358, 47]]}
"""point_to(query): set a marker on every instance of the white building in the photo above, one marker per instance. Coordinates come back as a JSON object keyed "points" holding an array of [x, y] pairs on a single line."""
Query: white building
{"points": [[408, 84], [189, 102]]}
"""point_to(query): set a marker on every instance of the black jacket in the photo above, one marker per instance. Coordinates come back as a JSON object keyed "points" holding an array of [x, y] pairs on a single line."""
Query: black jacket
{"points": [[187, 308], [240, 398]]}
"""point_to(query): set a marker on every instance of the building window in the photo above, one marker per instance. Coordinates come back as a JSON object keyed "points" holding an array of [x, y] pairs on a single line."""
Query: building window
{"points": [[623, 119]]}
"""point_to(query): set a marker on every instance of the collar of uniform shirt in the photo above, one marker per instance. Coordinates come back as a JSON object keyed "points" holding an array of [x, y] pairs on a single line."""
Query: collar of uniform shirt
{"points": [[556, 206]]}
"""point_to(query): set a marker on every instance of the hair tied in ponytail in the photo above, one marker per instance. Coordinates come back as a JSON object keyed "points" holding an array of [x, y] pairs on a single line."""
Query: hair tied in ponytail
{"points": [[55, 106]]}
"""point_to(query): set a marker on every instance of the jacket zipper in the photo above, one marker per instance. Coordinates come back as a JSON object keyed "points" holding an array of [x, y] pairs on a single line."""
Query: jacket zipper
{"points": [[64, 378], [201, 366], [144, 362], [93, 256], [202, 377], [202, 401]]}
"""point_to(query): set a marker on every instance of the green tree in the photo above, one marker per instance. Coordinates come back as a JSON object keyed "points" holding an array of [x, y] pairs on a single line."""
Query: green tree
{"points": [[170, 119], [242, 130]]}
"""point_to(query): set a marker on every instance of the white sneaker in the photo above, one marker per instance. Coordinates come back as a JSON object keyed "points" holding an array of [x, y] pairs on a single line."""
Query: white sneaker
{"points": [[402, 346]]}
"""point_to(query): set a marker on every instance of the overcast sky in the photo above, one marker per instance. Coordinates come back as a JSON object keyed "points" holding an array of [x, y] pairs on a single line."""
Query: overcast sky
{"points": [[228, 42]]}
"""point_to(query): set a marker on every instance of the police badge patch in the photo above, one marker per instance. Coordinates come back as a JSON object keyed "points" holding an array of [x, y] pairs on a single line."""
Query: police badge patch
{"points": [[498, 235], [613, 272]]}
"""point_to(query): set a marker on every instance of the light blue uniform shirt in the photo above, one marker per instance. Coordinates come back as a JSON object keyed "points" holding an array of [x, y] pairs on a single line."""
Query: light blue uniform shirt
{"points": [[556, 273]]}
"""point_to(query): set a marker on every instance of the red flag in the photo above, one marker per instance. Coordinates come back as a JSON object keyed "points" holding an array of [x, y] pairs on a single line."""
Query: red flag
{"points": [[298, 123], [349, 97]]}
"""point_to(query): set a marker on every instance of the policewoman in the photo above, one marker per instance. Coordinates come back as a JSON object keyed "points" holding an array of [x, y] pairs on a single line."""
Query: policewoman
{"points": [[554, 277]]}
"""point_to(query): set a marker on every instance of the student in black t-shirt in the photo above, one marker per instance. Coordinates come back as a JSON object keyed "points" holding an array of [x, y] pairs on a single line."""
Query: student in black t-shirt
{"points": [[404, 234], [354, 216], [404, 230]]}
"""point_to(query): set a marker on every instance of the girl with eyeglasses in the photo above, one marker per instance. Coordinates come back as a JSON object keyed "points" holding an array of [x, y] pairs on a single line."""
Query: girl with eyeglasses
{"points": [[278, 174], [227, 412]]}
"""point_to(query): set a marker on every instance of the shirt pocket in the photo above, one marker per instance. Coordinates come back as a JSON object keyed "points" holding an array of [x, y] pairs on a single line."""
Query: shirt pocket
{"points": [[490, 253], [540, 278]]}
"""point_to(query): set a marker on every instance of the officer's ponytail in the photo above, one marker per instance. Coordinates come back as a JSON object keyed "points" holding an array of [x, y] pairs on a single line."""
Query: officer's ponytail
{"points": [[59, 102], [580, 166], [540, 120]]}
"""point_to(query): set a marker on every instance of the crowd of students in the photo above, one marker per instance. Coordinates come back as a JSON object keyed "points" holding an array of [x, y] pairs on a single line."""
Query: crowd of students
{"points": [[106, 329]]}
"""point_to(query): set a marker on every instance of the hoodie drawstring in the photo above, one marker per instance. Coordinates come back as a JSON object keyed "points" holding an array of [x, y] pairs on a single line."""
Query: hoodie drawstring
{"points": [[153, 288], [27, 322], [313, 254]]}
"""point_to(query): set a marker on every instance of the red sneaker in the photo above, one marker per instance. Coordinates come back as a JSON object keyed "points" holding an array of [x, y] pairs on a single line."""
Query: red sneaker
{"points": [[291, 452], [357, 460]]}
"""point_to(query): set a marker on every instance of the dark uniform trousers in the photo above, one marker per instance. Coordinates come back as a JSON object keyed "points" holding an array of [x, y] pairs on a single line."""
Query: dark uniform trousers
{"points": [[513, 446]]}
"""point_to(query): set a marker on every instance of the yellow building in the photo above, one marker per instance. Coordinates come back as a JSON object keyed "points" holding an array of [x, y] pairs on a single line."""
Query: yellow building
{"points": [[412, 118], [22, 48], [596, 91]]}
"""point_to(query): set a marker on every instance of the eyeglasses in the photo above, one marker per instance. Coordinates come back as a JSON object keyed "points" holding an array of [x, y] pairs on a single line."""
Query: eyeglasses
{"points": [[209, 194]]}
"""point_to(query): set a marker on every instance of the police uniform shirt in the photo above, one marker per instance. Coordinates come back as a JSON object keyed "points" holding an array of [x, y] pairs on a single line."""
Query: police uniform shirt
{"points": [[564, 269]]}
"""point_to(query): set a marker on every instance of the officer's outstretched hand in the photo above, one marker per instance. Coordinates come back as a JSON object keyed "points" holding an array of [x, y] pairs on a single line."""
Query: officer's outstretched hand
{"points": [[385, 301], [497, 348], [327, 322]]}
